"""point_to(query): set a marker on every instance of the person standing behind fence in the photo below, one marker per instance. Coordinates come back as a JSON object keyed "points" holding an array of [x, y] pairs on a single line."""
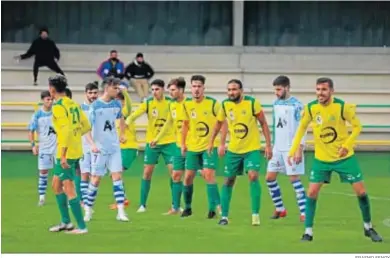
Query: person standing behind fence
{"points": [[46, 54], [139, 72], [111, 67]]}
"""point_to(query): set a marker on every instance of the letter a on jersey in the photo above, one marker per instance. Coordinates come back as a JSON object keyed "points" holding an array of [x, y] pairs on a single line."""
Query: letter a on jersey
{"points": [[107, 126]]}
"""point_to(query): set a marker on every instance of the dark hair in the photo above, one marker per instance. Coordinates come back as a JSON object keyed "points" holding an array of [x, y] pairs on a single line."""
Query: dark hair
{"points": [[113, 51], [281, 81], [179, 82], [111, 80], [68, 93], [236, 81], [198, 78], [92, 86], [121, 96], [139, 55], [59, 83], [43, 29], [158, 82], [45, 94], [325, 80]]}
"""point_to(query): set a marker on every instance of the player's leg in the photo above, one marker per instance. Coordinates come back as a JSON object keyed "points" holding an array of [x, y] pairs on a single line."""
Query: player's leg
{"points": [[275, 166], [115, 167], [150, 160], [252, 165], [209, 165], [350, 172], [233, 166], [192, 164], [77, 181], [66, 177], [294, 172], [98, 170], [320, 174], [85, 170], [45, 162]]}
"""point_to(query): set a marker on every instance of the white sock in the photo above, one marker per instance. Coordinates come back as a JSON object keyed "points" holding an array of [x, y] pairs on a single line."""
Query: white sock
{"points": [[309, 231], [42, 197], [225, 218], [367, 226]]}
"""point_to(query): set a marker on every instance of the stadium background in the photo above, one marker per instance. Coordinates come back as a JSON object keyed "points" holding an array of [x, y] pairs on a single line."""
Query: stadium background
{"points": [[251, 41]]}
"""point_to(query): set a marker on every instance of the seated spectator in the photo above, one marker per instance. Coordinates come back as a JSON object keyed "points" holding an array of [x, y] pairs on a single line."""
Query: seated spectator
{"points": [[112, 66], [139, 72]]}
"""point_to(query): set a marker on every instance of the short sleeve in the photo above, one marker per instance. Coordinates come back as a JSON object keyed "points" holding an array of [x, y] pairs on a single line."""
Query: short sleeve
{"points": [[256, 107], [221, 116], [298, 111], [92, 115], [33, 125], [185, 112], [119, 114], [217, 107]]}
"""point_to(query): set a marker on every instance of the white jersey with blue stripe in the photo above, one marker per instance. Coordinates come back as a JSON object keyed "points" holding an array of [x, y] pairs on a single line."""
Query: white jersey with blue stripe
{"points": [[86, 147], [286, 117], [41, 122], [102, 116]]}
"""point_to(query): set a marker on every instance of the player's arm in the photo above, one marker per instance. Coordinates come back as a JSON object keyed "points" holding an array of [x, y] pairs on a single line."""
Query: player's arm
{"points": [[128, 103], [298, 116], [32, 127], [351, 117], [139, 112], [86, 131], [184, 131], [259, 113], [221, 120], [122, 126], [168, 124], [301, 131], [64, 130]]}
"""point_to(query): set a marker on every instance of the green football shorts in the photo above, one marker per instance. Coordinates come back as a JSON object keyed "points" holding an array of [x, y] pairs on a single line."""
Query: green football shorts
{"points": [[178, 160], [348, 169], [199, 160], [128, 157], [152, 154], [66, 174], [236, 164]]}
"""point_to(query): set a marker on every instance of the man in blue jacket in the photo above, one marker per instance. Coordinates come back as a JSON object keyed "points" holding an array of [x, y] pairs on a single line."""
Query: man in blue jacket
{"points": [[112, 66]]}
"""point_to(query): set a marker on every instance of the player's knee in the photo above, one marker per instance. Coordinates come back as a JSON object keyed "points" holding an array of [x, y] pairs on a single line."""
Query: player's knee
{"points": [[116, 176], [189, 178], [176, 176], [148, 171], [95, 180], [253, 176], [85, 176], [56, 185], [359, 188], [229, 181], [209, 176], [312, 192], [69, 189], [44, 172], [293, 178], [271, 176]]}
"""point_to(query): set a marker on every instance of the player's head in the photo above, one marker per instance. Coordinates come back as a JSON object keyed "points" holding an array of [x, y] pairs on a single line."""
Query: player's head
{"points": [[111, 87], [91, 91], [157, 87], [235, 90], [324, 89], [282, 87], [176, 87], [197, 86], [68, 93], [46, 99], [57, 86]]}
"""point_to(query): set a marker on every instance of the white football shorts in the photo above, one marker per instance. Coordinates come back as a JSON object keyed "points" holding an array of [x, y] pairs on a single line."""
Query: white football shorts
{"points": [[101, 162], [279, 164]]}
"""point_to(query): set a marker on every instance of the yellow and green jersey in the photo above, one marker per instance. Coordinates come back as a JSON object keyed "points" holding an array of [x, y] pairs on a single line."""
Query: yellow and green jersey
{"points": [[242, 123], [130, 132], [330, 129]]}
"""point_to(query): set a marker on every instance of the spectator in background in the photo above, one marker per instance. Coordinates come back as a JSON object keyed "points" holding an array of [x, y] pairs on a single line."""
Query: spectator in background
{"points": [[46, 54], [111, 67], [139, 72]]}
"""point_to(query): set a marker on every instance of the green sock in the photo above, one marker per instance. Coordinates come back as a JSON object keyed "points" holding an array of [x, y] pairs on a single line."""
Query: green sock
{"points": [[310, 212], [62, 203], [171, 187], [255, 196], [77, 213], [226, 196], [364, 204], [77, 181], [187, 195], [145, 187], [217, 197], [211, 196], [176, 189]]}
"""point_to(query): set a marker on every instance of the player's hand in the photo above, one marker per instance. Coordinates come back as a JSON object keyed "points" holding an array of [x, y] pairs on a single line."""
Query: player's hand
{"points": [[35, 150], [289, 161], [221, 150], [298, 157], [94, 149], [183, 150], [343, 152], [268, 152], [64, 163], [153, 144], [122, 139]]}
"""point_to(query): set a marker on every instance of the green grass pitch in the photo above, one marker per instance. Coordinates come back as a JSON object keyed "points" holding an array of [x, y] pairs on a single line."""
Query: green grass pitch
{"points": [[338, 224]]}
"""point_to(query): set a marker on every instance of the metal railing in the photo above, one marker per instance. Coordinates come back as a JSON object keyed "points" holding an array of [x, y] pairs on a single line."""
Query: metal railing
{"points": [[36, 105]]}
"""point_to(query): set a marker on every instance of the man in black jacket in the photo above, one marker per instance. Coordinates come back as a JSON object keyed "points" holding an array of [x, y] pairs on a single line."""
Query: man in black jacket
{"points": [[45, 51], [139, 72]]}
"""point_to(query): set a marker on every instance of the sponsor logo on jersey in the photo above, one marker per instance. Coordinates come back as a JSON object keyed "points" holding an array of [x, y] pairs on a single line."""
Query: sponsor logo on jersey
{"points": [[202, 129], [328, 135], [241, 131]]}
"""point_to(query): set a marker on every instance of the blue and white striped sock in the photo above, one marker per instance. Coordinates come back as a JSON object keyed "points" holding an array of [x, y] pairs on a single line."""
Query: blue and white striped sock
{"points": [[84, 190], [42, 184], [300, 195], [119, 192], [91, 196], [274, 191]]}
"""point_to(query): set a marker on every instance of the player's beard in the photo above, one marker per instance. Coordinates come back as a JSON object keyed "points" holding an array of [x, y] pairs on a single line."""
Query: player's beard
{"points": [[283, 96], [235, 99]]}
